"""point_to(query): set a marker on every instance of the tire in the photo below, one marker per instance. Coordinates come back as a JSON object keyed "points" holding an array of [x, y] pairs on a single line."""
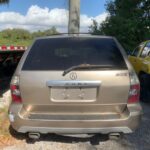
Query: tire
{"points": [[145, 87], [16, 134]]}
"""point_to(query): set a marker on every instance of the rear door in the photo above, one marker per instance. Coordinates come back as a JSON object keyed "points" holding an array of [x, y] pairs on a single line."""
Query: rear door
{"points": [[93, 90]]}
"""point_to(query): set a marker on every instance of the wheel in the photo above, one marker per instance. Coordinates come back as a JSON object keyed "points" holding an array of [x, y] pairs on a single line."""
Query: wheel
{"points": [[12, 131], [145, 87]]}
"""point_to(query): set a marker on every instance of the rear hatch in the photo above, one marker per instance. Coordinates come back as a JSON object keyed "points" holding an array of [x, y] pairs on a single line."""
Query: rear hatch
{"points": [[101, 85]]}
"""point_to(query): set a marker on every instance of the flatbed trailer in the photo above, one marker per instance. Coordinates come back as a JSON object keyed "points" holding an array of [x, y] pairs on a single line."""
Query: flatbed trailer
{"points": [[10, 55], [9, 58]]}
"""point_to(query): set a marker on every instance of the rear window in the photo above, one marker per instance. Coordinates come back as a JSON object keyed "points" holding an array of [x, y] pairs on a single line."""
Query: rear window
{"points": [[63, 53]]}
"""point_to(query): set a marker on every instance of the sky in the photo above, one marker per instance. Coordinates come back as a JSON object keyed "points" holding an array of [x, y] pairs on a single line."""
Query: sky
{"points": [[43, 14]]}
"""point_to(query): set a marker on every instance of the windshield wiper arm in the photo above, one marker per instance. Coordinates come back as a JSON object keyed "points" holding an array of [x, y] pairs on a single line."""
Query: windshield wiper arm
{"points": [[74, 67], [85, 66]]}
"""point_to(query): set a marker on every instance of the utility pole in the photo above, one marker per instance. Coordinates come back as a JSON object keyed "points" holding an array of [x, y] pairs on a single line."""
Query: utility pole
{"points": [[74, 16]]}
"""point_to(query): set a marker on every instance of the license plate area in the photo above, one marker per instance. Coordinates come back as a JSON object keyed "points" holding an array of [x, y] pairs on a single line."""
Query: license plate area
{"points": [[73, 91]]}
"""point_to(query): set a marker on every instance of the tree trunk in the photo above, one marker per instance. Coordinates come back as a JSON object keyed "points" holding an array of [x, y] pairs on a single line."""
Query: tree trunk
{"points": [[74, 16]]}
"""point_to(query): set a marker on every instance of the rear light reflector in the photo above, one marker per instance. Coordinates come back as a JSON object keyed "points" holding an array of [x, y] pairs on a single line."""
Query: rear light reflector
{"points": [[15, 91], [134, 94]]}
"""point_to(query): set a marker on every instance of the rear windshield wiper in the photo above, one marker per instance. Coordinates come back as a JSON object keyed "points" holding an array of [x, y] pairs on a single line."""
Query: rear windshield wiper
{"points": [[85, 66]]}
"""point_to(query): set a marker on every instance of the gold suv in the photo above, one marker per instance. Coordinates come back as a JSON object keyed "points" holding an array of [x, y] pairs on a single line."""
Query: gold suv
{"points": [[75, 84]]}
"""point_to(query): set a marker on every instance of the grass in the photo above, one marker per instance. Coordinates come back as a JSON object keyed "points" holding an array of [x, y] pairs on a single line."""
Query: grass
{"points": [[6, 138], [4, 122], [15, 42]]}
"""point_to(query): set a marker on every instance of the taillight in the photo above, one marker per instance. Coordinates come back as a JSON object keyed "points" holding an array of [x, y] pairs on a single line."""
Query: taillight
{"points": [[134, 93], [15, 91]]}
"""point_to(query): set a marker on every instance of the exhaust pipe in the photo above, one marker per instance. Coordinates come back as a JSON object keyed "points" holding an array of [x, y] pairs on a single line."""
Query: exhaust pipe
{"points": [[34, 135], [115, 136]]}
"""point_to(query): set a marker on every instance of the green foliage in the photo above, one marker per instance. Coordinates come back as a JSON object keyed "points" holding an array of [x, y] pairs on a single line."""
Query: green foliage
{"points": [[22, 37], [4, 1], [128, 21], [48, 32], [16, 34], [94, 28]]}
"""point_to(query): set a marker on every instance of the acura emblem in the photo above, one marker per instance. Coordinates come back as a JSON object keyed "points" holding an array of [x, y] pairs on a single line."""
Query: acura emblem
{"points": [[73, 76]]}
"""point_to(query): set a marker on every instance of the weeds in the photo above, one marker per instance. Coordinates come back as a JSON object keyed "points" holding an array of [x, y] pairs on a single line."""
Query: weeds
{"points": [[4, 122]]}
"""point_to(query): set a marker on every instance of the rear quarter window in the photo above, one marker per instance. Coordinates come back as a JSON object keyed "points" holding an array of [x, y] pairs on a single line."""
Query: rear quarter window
{"points": [[62, 53]]}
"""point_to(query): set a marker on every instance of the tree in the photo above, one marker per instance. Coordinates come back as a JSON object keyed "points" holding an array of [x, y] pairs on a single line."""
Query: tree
{"points": [[4, 1], [16, 34], [128, 21], [23, 37], [47, 32], [94, 28]]}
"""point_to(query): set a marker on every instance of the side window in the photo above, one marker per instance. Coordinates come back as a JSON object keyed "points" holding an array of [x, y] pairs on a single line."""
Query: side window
{"points": [[146, 51], [136, 51]]}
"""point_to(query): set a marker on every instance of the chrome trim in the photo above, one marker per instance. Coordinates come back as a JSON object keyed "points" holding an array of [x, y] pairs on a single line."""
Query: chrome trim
{"points": [[58, 83]]}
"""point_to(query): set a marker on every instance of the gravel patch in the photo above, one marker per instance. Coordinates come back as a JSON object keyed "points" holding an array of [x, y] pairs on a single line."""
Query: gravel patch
{"points": [[5, 100], [141, 138]]}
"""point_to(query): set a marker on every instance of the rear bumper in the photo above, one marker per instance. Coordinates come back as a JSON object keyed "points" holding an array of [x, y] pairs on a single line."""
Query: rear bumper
{"points": [[126, 124]]}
